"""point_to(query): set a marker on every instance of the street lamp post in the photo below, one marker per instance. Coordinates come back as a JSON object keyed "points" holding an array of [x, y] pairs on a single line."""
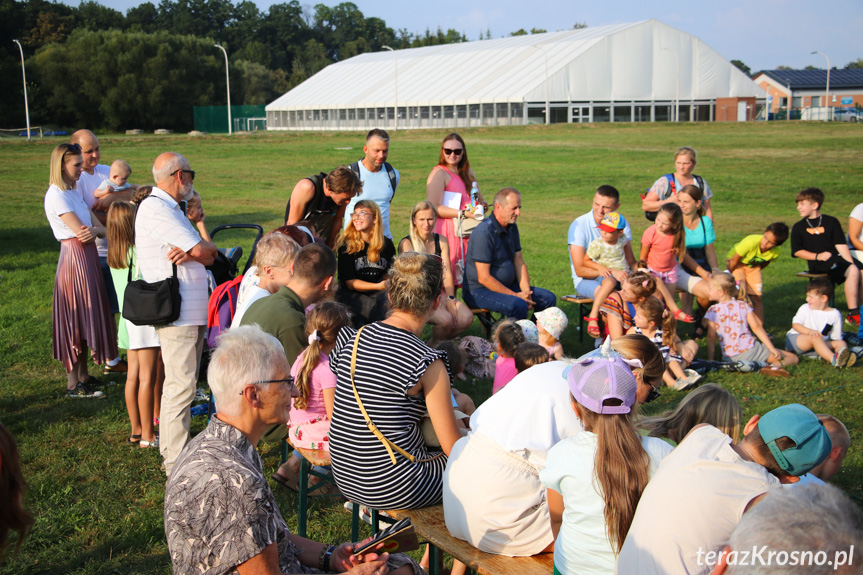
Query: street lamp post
{"points": [[228, 83], [677, 86], [827, 89], [396, 103], [24, 74], [790, 100]]}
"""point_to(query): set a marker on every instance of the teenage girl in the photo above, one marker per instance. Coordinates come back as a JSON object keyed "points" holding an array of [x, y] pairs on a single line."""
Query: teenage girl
{"points": [[312, 409], [507, 335], [653, 320], [618, 311], [663, 247], [710, 403], [140, 341], [732, 319], [598, 475]]}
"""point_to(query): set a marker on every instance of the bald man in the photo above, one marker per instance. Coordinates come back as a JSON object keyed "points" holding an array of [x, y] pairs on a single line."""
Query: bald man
{"points": [[165, 236]]}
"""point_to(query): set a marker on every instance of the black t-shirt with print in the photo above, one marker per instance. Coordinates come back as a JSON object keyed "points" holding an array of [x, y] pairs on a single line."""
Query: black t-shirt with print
{"points": [[817, 235], [358, 267]]}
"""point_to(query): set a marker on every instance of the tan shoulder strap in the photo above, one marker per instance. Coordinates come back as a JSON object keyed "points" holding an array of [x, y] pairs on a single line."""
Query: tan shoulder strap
{"points": [[389, 445]]}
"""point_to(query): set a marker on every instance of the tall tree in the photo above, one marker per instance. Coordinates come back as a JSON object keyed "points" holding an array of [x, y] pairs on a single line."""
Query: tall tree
{"points": [[742, 67]]}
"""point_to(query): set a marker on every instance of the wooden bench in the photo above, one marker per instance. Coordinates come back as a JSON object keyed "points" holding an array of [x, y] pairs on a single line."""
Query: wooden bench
{"points": [[486, 320], [431, 527], [584, 305], [810, 276]]}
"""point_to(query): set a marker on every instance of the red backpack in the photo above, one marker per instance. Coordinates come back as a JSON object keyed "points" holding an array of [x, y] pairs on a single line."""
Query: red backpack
{"points": [[221, 308]]}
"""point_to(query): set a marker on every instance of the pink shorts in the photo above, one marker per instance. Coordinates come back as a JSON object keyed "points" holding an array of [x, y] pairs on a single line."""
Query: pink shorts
{"points": [[669, 277]]}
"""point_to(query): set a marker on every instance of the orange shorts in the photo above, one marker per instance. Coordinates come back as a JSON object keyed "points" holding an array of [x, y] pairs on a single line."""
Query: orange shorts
{"points": [[752, 277]]}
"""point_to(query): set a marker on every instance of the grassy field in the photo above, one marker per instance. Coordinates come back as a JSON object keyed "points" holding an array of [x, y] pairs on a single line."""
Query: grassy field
{"points": [[99, 503]]}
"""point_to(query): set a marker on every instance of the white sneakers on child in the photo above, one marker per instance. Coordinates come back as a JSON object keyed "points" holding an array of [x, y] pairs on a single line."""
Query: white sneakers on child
{"points": [[692, 379]]}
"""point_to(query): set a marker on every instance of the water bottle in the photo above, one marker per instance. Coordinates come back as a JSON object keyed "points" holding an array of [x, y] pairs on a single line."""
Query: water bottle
{"points": [[475, 206]]}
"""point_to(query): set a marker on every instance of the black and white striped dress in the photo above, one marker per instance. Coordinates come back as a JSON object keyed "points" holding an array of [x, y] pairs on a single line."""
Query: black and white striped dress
{"points": [[390, 361]]}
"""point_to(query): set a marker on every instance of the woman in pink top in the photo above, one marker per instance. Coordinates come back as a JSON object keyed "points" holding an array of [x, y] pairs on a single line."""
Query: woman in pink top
{"points": [[452, 174]]}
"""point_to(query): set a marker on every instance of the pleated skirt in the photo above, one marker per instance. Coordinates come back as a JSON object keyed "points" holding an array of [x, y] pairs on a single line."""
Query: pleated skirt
{"points": [[81, 314]]}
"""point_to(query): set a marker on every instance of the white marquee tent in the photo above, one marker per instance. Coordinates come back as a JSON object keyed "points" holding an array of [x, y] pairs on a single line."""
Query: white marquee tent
{"points": [[641, 71]]}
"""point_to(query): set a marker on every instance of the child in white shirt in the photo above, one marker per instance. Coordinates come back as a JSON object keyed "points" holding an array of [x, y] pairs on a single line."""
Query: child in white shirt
{"points": [[818, 327]]}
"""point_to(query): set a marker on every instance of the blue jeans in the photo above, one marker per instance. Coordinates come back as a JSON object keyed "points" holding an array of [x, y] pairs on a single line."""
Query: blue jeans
{"points": [[508, 305]]}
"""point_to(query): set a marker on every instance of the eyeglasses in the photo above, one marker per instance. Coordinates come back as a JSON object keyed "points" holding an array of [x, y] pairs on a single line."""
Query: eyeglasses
{"points": [[190, 172], [457, 152], [358, 215], [288, 381], [654, 393]]}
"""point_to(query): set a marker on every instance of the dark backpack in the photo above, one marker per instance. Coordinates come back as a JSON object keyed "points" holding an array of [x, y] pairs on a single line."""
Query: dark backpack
{"points": [[355, 168], [670, 177], [221, 309]]}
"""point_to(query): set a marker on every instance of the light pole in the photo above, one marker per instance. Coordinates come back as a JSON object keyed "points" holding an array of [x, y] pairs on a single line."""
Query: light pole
{"points": [[396, 103], [827, 90], [677, 86], [24, 73], [790, 100], [228, 83]]}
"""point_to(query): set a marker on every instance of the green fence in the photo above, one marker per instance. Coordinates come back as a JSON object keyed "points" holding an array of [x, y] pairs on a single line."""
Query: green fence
{"points": [[214, 119]]}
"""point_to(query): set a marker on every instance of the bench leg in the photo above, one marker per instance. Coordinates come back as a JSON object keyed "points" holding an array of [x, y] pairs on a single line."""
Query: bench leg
{"points": [[355, 523], [304, 497], [435, 559], [581, 323]]}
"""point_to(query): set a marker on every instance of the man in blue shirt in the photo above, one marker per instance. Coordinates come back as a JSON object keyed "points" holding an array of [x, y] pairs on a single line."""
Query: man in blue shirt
{"points": [[496, 276], [380, 179]]}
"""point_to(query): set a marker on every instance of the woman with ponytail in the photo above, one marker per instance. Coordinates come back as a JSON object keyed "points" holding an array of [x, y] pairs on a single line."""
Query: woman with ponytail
{"points": [[312, 410], [598, 475]]}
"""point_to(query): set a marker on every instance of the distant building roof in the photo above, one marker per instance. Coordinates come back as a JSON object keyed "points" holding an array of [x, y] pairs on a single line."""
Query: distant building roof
{"points": [[817, 79]]}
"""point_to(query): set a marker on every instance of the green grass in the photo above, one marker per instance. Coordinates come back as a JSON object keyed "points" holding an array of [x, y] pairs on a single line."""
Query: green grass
{"points": [[98, 502]]}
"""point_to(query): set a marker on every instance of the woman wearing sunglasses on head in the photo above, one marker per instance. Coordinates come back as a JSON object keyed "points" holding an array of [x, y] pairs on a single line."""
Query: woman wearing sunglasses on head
{"points": [[451, 178], [365, 255]]}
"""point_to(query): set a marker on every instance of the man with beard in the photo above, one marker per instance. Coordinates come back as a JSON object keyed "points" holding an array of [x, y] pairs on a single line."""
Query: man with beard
{"points": [[165, 236]]}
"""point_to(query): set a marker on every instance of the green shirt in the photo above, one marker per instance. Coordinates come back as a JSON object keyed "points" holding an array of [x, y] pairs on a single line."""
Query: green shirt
{"points": [[281, 315], [749, 250]]}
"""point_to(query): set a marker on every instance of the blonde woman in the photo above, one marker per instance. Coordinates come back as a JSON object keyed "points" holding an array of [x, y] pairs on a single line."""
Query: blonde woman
{"points": [[81, 315], [665, 189], [272, 270], [453, 316], [365, 255]]}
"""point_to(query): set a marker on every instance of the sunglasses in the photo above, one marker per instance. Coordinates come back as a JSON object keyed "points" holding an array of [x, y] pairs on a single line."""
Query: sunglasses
{"points": [[190, 172], [457, 152], [72, 149], [653, 394]]}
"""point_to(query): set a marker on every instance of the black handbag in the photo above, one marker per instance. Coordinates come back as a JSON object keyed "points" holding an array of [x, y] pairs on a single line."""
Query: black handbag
{"points": [[156, 303]]}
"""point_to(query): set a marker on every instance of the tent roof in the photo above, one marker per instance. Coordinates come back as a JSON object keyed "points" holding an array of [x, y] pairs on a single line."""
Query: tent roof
{"points": [[623, 62]]}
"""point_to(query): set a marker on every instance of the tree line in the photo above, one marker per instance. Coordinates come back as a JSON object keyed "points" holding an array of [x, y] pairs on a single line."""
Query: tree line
{"points": [[96, 67]]}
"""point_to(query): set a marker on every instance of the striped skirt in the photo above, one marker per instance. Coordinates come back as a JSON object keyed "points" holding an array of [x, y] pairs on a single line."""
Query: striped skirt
{"points": [[81, 314]]}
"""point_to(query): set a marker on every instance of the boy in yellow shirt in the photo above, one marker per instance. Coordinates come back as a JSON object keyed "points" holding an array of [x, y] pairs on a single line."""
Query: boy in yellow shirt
{"points": [[751, 255]]}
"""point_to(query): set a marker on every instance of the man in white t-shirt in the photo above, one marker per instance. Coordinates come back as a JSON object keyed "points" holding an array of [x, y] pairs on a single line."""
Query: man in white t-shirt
{"points": [[379, 179], [92, 175], [583, 230], [702, 489], [165, 236]]}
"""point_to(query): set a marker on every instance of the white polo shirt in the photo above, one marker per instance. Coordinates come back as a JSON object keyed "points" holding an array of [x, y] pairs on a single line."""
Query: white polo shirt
{"points": [[161, 225], [87, 185]]}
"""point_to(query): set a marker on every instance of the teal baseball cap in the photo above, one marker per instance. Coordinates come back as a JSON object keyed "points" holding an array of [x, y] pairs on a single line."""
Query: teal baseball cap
{"points": [[798, 423]]}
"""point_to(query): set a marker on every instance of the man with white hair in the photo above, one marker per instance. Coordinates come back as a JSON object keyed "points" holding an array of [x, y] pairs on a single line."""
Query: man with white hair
{"points": [[815, 530], [164, 238], [240, 528]]}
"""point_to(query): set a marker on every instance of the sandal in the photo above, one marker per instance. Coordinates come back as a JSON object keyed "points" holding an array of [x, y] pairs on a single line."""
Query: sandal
{"points": [[292, 482], [679, 315], [133, 439], [144, 444], [593, 330]]}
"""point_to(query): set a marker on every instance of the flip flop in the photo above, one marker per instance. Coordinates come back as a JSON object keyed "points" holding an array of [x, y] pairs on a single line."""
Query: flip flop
{"points": [[133, 440], [292, 482]]}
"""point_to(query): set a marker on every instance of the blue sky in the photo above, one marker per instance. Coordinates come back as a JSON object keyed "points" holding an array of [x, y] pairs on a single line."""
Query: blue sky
{"points": [[762, 33]]}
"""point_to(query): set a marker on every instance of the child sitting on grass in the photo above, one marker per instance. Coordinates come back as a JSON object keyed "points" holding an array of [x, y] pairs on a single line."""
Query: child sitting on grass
{"points": [[551, 323], [818, 327], [653, 321], [710, 403], [507, 335], [819, 239], [750, 256], [529, 354], [731, 320], [457, 358]]}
